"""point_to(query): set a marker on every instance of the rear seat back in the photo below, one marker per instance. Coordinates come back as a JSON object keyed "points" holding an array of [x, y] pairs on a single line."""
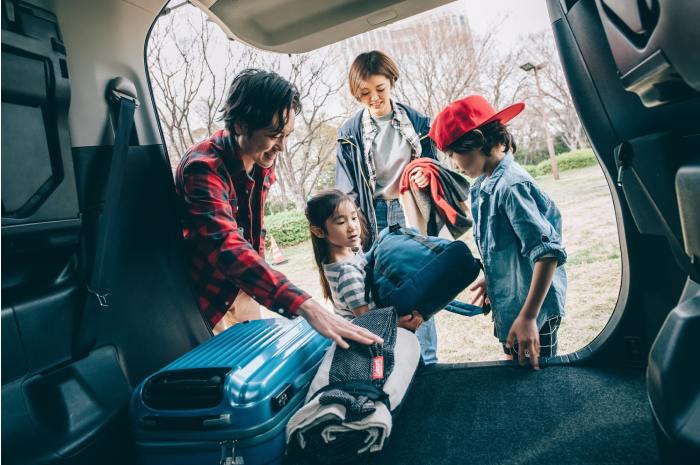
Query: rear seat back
{"points": [[153, 316]]}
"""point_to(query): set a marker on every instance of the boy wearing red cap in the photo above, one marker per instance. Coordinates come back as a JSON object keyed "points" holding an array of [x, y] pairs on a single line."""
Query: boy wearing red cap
{"points": [[517, 228]]}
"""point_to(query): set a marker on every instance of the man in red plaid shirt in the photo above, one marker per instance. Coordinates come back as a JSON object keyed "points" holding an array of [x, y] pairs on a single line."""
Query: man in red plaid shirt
{"points": [[223, 183]]}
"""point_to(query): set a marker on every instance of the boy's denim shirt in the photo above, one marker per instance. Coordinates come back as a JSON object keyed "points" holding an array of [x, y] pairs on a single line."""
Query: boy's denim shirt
{"points": [[515, 223]]}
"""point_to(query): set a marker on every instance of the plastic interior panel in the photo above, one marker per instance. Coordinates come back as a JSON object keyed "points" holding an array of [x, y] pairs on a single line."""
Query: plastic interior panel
{"points": [[40, 219], [66, 409], [673, 378], [61, 410], [300, 26], [25, 155], [624, 110], [45, 324], [611, 115], [151, 303], [688, 192], [654, 161], [644, 40], [35, 110], [14, 363]]}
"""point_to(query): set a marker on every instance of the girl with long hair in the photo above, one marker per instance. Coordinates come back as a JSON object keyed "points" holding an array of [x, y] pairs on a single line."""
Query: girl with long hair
{"points": [[337, 229]]}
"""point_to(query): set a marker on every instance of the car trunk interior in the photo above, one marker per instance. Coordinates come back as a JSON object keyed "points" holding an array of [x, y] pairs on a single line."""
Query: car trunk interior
{"points": [[637, 91], [503, 414]]}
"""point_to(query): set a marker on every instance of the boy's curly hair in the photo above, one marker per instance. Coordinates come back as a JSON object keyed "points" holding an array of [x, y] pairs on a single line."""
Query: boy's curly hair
{"points": [[485, 138]]}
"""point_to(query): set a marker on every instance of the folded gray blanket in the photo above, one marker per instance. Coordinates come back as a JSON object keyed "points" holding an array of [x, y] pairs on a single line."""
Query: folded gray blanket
{"points": [[350, 400]]}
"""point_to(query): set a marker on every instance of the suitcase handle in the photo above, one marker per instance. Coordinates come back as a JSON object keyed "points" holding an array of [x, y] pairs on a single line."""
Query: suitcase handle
{"points": [[193, 422], [223, 420], [184, 389]]}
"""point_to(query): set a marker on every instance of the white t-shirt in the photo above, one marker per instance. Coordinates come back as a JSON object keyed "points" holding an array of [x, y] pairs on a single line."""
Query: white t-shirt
{"points": [[392, 153]]}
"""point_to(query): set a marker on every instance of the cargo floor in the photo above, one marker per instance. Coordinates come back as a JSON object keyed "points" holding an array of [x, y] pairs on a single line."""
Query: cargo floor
{"points": [[507, 415]]}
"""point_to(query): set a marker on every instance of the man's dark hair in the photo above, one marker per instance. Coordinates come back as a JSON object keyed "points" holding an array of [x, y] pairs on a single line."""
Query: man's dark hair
{"points": [[485, 137], [255, 97]]}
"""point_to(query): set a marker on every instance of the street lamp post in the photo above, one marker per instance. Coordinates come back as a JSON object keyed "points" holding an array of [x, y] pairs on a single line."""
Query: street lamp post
{"points": [[527, 67]]}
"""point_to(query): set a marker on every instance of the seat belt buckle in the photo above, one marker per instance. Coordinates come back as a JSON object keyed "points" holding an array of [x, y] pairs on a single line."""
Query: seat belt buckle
{"points": [[101, 296], [121, 88]]}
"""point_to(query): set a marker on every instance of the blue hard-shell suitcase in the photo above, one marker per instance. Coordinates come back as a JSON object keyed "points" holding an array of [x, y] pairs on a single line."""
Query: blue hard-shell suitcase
{"points": [[229, 400]]}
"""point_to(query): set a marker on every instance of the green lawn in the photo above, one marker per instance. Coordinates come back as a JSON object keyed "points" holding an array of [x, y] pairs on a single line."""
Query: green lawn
{"points": [[593, 268]]}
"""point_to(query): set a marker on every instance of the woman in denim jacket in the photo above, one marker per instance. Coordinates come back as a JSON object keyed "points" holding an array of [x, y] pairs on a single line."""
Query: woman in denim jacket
{"points": [[517, 229], [374, 147]]}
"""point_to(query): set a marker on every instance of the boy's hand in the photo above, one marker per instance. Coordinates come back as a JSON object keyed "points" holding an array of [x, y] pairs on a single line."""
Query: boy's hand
{"points": [[480, 298], [419, 178], [411, 322], [524, 331]]}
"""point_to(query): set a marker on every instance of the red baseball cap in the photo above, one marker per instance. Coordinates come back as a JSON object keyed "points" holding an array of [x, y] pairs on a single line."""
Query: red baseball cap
{"points": [[464, 115]]}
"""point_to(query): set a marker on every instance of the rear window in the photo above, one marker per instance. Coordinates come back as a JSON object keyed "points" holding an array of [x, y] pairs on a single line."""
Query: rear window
{"points": [[504, 51]]}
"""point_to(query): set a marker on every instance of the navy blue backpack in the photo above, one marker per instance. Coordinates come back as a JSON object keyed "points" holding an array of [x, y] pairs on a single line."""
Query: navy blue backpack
{"points": [[409, 271]]}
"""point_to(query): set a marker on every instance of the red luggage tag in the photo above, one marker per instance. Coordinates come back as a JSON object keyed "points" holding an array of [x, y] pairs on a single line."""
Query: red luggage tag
{"points": [[378, 367]]}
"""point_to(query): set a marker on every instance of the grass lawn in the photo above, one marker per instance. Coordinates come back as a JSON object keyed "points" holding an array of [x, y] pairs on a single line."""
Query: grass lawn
{"points": [[593, 268]]}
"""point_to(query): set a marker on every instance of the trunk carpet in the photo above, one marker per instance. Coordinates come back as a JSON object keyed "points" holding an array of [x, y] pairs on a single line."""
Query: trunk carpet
{"points": [[509, 415]]}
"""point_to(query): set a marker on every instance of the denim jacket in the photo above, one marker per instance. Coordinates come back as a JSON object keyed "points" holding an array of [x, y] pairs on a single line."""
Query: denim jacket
{"points": [[515, 224]]}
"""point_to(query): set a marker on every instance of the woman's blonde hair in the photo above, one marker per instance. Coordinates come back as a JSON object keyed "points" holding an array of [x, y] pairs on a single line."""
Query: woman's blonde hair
{"points": [[370, 64]]}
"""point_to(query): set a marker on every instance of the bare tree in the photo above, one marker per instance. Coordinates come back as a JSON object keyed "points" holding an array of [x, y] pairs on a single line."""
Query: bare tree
{"points": [[191, 62], [501, 81], [311, 151], [176, 77], [212, 96], [556, 103], [191, 68], [437, 69], [529, 136]]}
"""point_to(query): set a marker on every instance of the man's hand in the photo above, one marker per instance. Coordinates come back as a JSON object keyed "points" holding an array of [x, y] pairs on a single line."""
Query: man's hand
{"points": [[524, 331], [419, 178], [334, 327], [411, 322], [480, 298]]}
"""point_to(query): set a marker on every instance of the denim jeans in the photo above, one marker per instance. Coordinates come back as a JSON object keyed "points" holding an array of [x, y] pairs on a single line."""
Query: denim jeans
{"points": [[389, 212]]}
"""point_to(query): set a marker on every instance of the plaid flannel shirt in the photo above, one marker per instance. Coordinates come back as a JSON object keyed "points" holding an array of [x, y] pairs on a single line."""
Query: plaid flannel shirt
{"points": [[401, 123], [224, 232]]}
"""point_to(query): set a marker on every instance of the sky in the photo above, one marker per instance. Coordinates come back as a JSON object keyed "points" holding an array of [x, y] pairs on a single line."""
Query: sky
{"points": [[522, 17]]}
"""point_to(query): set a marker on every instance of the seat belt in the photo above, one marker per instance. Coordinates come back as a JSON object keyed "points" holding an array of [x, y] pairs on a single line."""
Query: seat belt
{"points": [[97, 299], [624, 156]]}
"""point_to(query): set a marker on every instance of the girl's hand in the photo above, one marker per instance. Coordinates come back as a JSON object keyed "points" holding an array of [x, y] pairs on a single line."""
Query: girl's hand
{"points": [[411, 322], [524, 331], [480, 298], [419, 178], [360, 310]]}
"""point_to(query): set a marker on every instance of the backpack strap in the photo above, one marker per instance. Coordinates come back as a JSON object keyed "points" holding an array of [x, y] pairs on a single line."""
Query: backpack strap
{"points": [[432, 245], [462, 308], [369, 275]]}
